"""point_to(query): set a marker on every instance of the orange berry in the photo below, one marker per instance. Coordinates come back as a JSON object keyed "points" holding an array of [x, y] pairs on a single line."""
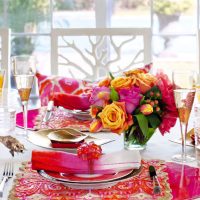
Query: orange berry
{"points": [[157, 109], [152, 103], [156, 101], [158, 94], [151, 93]]}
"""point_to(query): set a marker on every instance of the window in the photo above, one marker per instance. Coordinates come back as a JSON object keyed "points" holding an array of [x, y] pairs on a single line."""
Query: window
{"points": [[174, 25]]}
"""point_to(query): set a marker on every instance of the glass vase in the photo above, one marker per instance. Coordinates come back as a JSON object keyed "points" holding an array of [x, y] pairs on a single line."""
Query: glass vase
{"points": [[135, 140]]}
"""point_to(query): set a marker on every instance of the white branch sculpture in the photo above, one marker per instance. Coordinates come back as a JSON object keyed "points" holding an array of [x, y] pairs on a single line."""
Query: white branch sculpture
{"points": [[97, 57]]}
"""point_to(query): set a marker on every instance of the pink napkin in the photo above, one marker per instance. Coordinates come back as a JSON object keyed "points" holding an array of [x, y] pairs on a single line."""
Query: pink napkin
{"points": [[71, 163]]}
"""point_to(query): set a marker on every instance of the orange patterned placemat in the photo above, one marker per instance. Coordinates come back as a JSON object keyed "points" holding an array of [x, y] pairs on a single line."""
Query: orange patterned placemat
{"points": [[28, 184]]}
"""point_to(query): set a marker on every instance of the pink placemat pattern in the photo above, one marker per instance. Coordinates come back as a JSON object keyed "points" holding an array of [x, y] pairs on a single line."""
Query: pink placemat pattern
{"points": [[29, 184], [184, 181], [59, 119]]}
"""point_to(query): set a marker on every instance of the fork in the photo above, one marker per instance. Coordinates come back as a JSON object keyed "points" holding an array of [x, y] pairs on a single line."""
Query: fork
{"points": [[7, 173]]}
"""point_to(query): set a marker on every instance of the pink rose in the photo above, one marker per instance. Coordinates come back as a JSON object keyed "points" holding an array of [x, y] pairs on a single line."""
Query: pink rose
{"points": [[100, 96], [131, 97]]}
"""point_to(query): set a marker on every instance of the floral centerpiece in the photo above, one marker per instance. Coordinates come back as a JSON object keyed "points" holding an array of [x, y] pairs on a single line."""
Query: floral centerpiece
{"points": [[136, 103]]}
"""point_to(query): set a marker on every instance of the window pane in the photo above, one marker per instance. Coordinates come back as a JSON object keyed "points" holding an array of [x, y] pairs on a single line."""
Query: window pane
{"points": [[73, 14], [30, 16], [180, 52], [38, 46], [131, 13], [174, 16]]}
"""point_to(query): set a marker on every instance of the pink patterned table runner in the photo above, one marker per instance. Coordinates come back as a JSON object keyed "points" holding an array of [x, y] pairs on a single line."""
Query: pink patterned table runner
{"points": [[59, 119]]}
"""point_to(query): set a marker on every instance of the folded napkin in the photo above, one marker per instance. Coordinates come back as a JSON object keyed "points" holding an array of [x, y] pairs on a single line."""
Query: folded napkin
{"points": [[70, 163], [72, 101], [71, 145]]}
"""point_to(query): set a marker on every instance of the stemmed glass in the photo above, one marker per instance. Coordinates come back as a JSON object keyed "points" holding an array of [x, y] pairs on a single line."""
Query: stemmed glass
{"points": [[184, 92], [23, 68]]}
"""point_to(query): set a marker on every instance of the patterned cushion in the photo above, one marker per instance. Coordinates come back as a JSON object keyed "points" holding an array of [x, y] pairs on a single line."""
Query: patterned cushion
{"points": [[49, 85]]}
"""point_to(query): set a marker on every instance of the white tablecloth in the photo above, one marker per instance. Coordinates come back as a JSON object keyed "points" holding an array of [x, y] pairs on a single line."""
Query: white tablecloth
{"points": [[158, 147]]}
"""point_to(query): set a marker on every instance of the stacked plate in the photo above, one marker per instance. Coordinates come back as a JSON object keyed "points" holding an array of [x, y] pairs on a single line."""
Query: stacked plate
{"points": [[89, 181]]}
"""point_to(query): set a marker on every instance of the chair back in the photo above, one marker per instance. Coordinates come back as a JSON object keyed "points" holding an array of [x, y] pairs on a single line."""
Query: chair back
{"points": [[90, 53]]}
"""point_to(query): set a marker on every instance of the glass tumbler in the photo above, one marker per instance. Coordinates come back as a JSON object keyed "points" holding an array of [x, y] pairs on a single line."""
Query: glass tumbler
{"points": [[7, 120]]}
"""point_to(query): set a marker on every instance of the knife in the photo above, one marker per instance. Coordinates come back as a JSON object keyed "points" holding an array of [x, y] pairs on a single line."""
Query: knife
{"points": [[154, 178], [48, 113]]}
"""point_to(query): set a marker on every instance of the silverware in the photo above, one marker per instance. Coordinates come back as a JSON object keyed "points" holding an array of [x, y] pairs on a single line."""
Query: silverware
{"points": [[7, 173], [48, 113], [156, 184]]}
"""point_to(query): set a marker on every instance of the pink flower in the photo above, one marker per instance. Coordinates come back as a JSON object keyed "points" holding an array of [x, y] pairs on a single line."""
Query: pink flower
{"points": [[131, 97], [100, 96], [170, 112], [168, 121]]}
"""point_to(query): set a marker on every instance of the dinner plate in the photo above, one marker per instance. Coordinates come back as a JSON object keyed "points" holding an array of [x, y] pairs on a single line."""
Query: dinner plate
{"points": [[104, 180], [87, 178], [40, 138], [189, 141], [79, 114]]}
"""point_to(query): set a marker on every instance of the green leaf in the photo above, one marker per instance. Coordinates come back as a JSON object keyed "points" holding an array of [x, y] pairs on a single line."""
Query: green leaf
{"points": [[143, 123], [150, 133], [142, 101], [111, 76], [154, 120], [114, 96]]}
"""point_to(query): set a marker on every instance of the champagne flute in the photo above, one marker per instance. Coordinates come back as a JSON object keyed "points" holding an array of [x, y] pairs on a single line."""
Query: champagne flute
{"points": [[24, 73], [184, 93]]}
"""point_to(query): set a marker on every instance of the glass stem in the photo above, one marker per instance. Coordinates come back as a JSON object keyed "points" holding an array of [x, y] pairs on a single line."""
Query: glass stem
{"points": [[183, 137], [25, 114]]}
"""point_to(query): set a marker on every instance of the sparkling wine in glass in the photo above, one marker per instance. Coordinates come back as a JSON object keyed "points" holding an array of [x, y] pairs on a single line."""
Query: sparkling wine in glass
{"points": [[184, 93], [24, 73]]}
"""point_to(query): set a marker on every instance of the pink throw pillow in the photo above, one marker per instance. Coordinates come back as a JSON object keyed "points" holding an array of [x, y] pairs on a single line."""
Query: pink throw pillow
{"points": [[49, 85]]}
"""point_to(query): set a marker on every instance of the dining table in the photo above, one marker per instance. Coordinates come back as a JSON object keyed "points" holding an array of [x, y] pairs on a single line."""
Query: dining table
{"points": [[159, 148]]}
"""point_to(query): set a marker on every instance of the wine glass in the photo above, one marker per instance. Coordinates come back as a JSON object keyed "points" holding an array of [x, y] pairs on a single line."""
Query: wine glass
{"points": [[23, 68], [184, 92]]}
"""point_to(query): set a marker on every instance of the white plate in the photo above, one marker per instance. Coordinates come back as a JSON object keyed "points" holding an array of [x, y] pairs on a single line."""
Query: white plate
{"points": [[78, 114], [91, 185], [40, 138]]}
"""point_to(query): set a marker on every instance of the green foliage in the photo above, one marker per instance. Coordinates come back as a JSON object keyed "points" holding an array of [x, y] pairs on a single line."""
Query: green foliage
{"points": [[129, 4], [154, 120], [114, 96], [111, 76], [23, 15], [21, 12], [143, 123], [154, 93], [73, 4], [171, 7]]}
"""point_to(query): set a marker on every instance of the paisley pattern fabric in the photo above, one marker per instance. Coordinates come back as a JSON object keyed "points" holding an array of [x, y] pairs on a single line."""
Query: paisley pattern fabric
{"points": [[30, 185], [49, 85]]}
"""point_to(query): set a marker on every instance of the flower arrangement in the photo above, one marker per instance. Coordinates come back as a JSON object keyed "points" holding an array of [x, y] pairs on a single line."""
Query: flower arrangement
{"points": [[136, 103]]}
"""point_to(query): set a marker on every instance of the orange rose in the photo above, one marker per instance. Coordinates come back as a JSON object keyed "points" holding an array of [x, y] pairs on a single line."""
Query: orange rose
{"points": [[121, 82], [104, 82], [114, 117], [94, 111], [96, 126], [146, 109], [144, 81], [134, 72]]}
